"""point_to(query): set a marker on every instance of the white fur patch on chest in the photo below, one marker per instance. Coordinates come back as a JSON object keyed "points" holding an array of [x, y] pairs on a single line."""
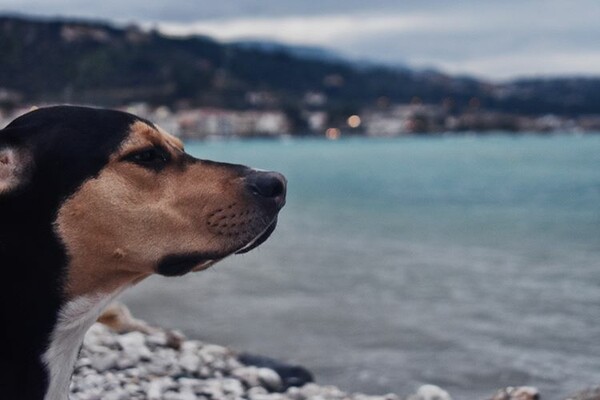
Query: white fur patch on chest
{"points": [[74, 319]]}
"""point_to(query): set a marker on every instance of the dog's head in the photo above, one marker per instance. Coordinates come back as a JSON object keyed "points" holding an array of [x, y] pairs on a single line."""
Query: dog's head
{"points": [[124, 200]]}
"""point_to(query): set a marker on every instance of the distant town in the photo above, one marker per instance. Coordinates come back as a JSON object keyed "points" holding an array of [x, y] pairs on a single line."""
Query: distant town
{"points": [[384, 121]]}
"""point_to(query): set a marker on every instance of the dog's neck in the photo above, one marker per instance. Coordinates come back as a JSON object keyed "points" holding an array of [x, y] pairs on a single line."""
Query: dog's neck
{"points": [[74, 319], [42, 326], [30, 299], [41, 331]]}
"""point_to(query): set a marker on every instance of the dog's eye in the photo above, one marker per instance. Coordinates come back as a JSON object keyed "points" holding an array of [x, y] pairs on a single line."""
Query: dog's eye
{"points": [[153, 158]]}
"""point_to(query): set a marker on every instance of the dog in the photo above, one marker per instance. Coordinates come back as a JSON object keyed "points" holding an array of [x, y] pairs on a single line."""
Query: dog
{"points": [[92, 201]]}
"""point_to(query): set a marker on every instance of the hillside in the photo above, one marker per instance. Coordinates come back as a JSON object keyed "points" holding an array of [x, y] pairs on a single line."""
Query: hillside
{"points": [[94, 62]]}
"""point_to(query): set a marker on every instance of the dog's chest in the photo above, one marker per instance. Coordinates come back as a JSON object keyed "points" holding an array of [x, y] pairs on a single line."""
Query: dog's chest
{"points": [[74, 319]]}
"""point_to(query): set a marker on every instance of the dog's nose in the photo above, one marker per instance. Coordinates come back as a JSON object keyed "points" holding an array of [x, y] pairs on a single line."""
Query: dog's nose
{"points": [[269, 185]]}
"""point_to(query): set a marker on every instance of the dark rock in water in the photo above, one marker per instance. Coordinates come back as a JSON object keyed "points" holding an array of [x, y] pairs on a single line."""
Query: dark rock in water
{"points": [[588, 394], [291, 375]]}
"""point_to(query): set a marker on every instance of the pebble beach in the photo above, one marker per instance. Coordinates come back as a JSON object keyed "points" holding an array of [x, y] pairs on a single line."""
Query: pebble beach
{"points": [[158, 364]]}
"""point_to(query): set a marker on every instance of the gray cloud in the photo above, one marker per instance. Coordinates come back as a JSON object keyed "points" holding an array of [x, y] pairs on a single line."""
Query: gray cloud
{"points": [[193, 10]]}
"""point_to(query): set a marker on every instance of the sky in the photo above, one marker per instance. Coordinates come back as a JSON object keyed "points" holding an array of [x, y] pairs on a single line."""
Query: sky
{"points": [[491, 39]]}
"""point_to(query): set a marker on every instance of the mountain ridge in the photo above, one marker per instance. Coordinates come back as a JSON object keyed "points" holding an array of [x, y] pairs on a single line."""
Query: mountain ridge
{"points": [[78, 60]]}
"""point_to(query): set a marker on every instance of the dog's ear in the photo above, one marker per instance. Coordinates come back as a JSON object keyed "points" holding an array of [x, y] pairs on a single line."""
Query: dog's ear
{"points": [[14, 164]]}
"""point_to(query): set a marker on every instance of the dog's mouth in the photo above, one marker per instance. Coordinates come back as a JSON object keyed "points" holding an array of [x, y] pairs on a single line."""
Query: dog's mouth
{"points": [[181, 264], [260, 239]]}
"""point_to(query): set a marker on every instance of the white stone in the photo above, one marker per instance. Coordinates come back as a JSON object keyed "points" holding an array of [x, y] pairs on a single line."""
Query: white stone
{"points": [[189, 361], [133, 344], [157, 387], [248, 375], [294, 393], [116, 395], [204, 372], [310, 389], [270, 379], [432, 392], [126, 362], [258, 390], [232, 386]]}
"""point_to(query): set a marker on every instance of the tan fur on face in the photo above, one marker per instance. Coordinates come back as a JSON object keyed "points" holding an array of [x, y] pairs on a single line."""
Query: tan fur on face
{"points": [[120, 224]]}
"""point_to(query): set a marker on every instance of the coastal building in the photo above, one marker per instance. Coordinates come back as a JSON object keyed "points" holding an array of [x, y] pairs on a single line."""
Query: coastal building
{"points": [[404, 119], [207, 122], [199, 123]]}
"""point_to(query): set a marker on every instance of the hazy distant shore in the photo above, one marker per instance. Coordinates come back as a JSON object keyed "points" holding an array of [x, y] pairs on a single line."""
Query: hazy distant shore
{"points": [[209, 123]]}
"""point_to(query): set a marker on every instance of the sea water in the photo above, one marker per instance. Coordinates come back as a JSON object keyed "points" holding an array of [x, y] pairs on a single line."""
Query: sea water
{"points": [[469, 262]]}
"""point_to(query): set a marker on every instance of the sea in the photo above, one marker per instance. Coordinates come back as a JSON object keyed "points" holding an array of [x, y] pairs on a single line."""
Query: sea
{"points": [[470, 262]]}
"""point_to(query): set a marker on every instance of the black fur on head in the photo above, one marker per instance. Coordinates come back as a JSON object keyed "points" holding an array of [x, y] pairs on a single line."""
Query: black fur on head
{"points": [[64, 146]]}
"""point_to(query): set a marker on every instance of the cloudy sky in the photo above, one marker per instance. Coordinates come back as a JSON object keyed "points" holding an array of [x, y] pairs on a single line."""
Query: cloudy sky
{"points": [[496, 39]]}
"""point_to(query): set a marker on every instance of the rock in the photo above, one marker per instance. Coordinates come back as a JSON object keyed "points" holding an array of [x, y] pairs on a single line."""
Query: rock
{"points": [[157, 387], [214, 351], [248, 375], [232, 387], [270, 379], [211, 388], [118, 394], [271, 396], [134, 345], [517, 393], [125, 362], [291, 375], [310, 390], [189, 362], [182, 395], [104, 362], [256, 391], [430, 392], [294, 393], [261, 377], [204, 372], [175, 339]]}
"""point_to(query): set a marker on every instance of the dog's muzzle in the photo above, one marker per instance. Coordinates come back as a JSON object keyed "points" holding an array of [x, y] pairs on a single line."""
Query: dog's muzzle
{"points": [[246, 228], [267, 186]]}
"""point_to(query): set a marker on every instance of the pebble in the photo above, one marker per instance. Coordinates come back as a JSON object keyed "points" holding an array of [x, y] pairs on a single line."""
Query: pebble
{"points": [[104, 362], [190, 362], [517, 393], [269, 379], [248, 375], [430, 392]]}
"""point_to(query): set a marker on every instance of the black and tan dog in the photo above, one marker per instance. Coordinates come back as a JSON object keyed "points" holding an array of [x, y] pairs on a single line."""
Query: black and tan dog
{"points": [[91, 202]]}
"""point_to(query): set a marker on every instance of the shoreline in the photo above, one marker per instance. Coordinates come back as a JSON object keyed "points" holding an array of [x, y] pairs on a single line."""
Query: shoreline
{"points": [[131, 360]]}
